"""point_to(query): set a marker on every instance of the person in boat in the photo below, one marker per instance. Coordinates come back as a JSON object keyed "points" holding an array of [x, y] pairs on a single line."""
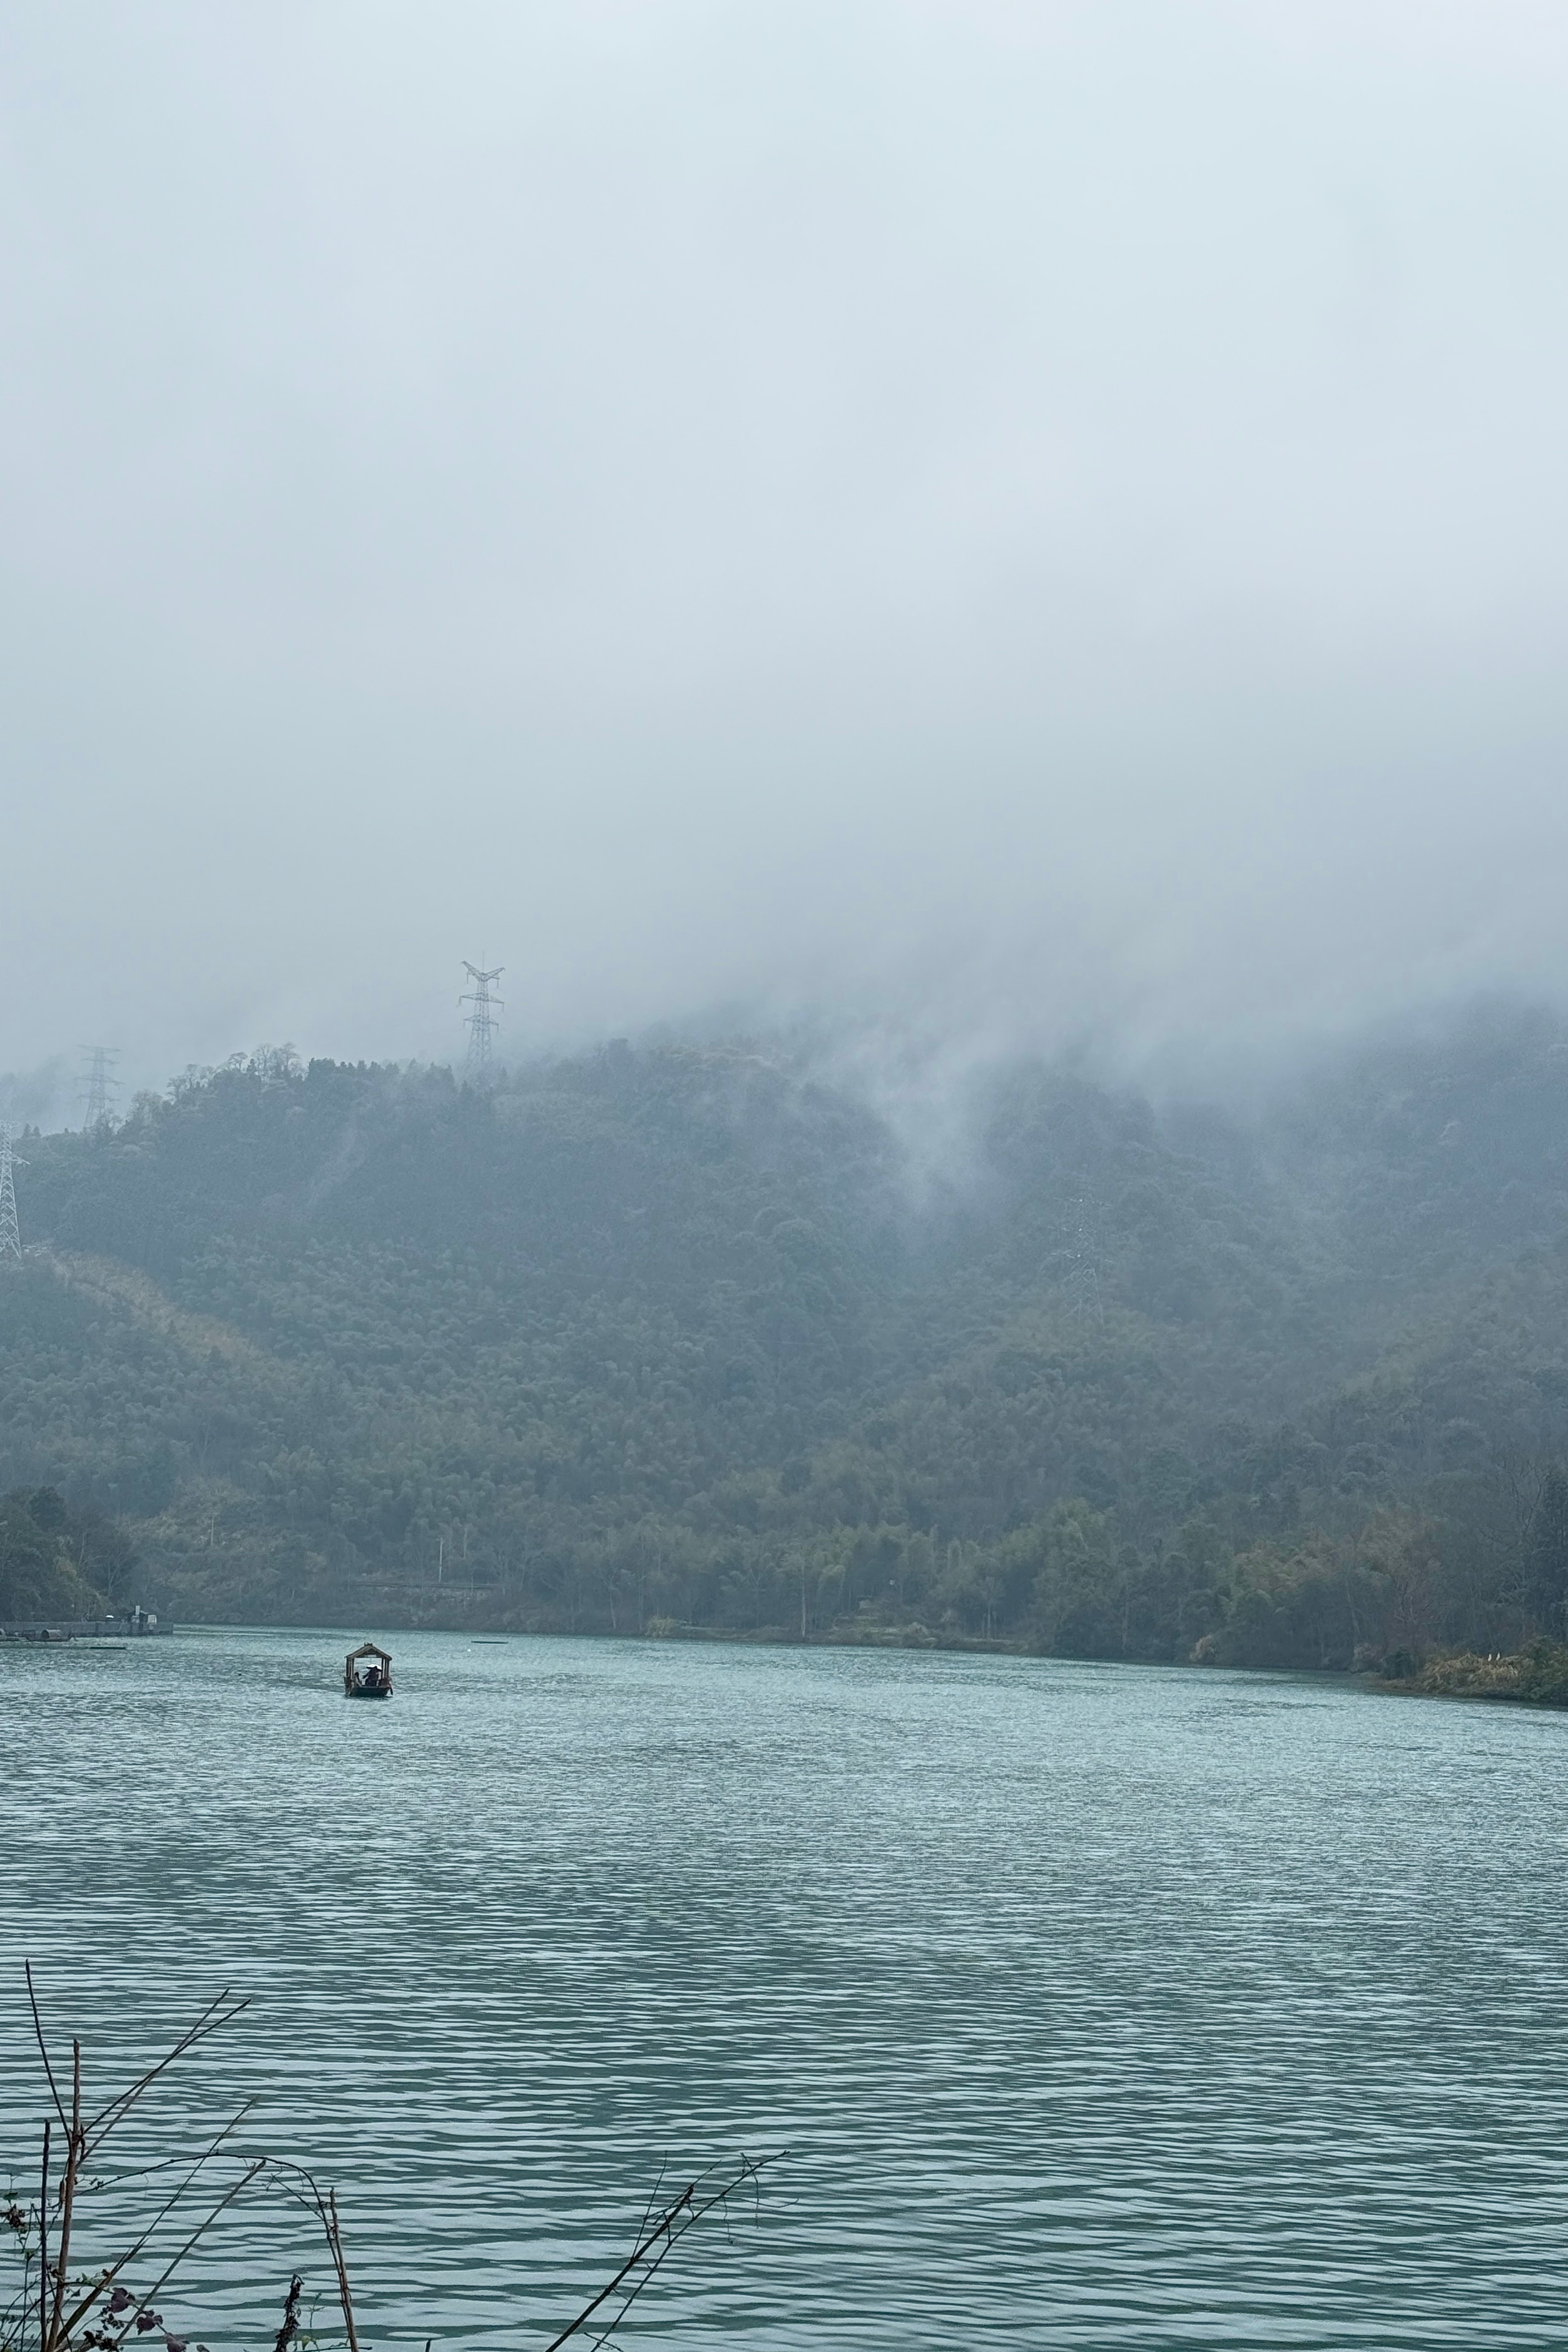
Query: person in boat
{"points": [[370, 1679]]}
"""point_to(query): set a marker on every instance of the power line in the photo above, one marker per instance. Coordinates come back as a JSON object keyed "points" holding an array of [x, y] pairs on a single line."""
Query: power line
{"points": [[482, 1021]]}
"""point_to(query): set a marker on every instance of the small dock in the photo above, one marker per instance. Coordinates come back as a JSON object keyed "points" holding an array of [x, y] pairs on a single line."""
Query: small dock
{"points": [[85, 1629]]}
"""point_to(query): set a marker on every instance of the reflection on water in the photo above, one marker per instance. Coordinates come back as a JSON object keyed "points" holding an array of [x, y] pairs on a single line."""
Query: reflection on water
{"points": [[1099, 2006]]}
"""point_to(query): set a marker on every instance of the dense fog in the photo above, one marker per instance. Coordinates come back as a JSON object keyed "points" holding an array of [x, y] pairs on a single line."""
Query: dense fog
{"points": [[976, 525]]}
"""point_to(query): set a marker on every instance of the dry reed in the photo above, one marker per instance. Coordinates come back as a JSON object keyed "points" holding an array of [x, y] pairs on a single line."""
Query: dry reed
{"points": [[59, 2308]]}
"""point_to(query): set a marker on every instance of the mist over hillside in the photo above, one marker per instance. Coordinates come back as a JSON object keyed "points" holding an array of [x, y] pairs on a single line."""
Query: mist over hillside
{"points": [[666, 1335], [1024, 523]]}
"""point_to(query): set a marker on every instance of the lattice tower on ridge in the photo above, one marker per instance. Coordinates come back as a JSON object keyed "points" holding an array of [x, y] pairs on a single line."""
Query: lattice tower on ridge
{"points": [[483, 1021], [100, 1083], [10, 1231]]}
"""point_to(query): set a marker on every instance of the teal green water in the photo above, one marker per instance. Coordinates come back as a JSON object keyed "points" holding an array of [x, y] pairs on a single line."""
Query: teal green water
{"points": [[1097, 2006]]}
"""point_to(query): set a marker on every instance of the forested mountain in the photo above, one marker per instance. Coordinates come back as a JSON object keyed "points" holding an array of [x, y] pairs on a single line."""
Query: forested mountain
{"points": [[671, 1336]]}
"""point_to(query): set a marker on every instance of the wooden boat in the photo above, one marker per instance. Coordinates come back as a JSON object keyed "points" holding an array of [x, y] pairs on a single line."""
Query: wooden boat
{"points": [[374, 1681]]}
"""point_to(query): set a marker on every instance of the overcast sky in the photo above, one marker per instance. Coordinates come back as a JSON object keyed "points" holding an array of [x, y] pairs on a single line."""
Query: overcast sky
{"points": [[1002, 519]]}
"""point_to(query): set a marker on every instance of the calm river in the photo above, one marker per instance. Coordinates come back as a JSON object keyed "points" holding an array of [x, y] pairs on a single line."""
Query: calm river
{"points": [[1096, 2006]]}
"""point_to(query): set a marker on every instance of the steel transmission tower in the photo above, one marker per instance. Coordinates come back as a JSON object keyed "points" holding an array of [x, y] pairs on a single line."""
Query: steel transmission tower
{"points": [[1082, 1254], [100, 1083], [10, 1231], [482, 1021]]}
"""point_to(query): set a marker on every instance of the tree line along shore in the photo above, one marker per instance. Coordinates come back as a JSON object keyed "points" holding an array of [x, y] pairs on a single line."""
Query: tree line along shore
{"points": [[682, 1339]]}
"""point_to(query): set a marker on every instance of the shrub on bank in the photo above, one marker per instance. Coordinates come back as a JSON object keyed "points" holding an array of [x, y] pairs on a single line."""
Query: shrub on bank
{"points": [[1537, 1674], [1466, 1675], [1544, 1674]]}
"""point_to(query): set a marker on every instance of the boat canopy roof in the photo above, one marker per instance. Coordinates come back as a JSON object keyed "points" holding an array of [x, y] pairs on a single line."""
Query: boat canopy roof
{"points": [[368, 1650]]}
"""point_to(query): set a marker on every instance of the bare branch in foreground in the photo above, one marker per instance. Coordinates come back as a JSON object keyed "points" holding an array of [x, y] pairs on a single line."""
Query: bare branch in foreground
{"points": [[672, 2225], [105, 2311]]}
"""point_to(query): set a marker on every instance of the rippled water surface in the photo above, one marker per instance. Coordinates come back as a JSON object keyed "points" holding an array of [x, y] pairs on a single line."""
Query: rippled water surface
{"points": [[1096, 2006]]}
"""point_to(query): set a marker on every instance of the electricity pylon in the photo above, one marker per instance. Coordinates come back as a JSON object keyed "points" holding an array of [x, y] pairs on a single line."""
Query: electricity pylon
{"points": [[10, 1231], [100, 1083], [482, 1020], [1081, 1280]]}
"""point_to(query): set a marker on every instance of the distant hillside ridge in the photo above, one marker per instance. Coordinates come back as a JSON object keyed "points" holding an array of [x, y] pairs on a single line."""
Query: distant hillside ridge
{"points": [[664, 1336]]}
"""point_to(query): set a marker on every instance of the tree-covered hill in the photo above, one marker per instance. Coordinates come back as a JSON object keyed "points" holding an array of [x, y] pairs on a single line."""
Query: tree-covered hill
{"points": [[671, 1336]]}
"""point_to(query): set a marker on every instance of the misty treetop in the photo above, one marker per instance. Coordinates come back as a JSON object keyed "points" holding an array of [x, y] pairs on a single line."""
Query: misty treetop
{"points": [[678, 1336]]}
